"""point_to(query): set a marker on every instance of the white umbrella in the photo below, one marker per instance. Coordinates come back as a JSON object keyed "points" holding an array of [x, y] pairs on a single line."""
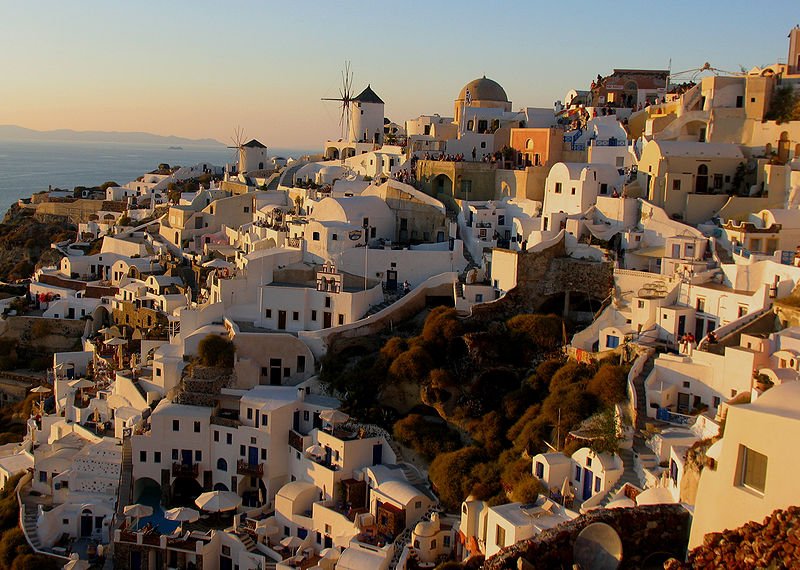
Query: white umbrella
{"points": [[333, 416], [621, 503], [40, 390], [316, 450], [137, 511], [218, 263], [330, 553], [116, 341], [218, 501], [182, 514]]}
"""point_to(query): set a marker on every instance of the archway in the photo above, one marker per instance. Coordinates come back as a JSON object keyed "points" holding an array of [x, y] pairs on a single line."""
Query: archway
{"points": [[442, 184], [222, 465], [332, 153], [184, 491], [87, 520], [145, 487], [701, 181], [220, 487]]}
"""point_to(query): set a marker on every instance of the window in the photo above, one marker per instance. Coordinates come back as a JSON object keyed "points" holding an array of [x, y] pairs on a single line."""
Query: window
{"points": [[334, 237], [301, 363], [577, 472], [733, 393], [196, 427], [174, 454], [717, 181], [143, 456], [588, 462], [446, 541], [418, 505], [268, 313], [433, 543], [558, 188], [216, 435], [739, 101], [700, 304], [483, 144], [603, 189], [327, 302], [222, 465], [676, 185], [247, 209], [716, 401], [752, 469], [229, 438], [327, 529], [198, 456], [539, 469], [341, 319], [313, 315], [156, 457], [176, 425], [479, 297], [242, 450], [295, 316], [249, 413], [158, 372], [686, 384], [742, 310], [597, 484], [640, 304], [500, 536], [612, 341], [42, 476], [572, 191], [264, 420], [315, 236], [263, 454]]}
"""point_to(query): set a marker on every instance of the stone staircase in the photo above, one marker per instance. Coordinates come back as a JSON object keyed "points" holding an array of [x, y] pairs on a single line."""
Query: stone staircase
{"points": [[30, 524], [248, 542], [126, 477], [638, 385], [628, 476]]}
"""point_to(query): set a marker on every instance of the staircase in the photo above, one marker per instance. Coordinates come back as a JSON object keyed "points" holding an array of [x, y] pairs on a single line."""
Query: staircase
{"points": [[628, 476], [248, 542], [638, 385], [126, 477], [30, 523]]}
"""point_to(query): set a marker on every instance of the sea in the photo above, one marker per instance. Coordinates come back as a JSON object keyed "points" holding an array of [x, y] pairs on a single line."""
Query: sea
{"points": [[27, 167]]}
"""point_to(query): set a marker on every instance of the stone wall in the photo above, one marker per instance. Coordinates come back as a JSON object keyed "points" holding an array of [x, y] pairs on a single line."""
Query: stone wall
{"points": [[544, 274], [643, 531]]}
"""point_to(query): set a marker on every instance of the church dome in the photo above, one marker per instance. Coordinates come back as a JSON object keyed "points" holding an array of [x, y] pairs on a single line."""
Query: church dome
{"points": [[483, 90]]}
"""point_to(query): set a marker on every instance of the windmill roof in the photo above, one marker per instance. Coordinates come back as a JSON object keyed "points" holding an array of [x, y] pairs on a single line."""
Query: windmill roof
{"points": [[368, 96], [254, 144]]}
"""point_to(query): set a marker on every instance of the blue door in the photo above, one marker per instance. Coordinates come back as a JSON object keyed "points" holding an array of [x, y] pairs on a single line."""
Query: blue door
{"points": [[252, 455], [377, 454], [588, 476], [186, 456]]}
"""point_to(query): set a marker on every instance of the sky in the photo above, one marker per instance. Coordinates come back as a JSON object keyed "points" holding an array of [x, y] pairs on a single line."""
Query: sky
{"points": [[200, 68]]}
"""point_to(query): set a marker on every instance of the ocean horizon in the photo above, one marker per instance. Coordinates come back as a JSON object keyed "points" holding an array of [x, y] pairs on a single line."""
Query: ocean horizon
{"points": [[27, 167]]}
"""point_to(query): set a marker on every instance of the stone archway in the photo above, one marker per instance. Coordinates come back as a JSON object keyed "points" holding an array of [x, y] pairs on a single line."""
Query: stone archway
{"points": [[184, 491], [442, 184]]}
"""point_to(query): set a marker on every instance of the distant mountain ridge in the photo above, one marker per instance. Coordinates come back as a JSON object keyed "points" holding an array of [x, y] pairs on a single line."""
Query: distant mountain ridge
{"points": [[15, 132]]}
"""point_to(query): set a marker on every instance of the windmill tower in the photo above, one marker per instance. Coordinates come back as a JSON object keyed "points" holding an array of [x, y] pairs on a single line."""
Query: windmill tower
{"points": [[238, 140], [249, 156], [346, 100]]}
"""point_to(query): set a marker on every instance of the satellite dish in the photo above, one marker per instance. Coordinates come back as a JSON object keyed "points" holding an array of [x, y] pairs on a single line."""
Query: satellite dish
{"points": [[598, 547]]}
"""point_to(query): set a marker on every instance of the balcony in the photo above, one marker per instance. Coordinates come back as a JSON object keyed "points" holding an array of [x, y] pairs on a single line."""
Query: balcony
{"points": [[243, 467], [185, 469], [297, 441]]}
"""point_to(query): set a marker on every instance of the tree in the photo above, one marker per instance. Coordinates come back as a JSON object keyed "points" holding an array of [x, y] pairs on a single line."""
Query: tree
{"points": [[412, 365], [452, 475], [609, 384], [215, 350], [173, 193], [784, 106], [604, 430], [428, 438]]}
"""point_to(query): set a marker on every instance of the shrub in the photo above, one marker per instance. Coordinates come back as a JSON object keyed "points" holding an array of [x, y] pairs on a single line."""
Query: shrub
{"points": [[452, 475], [215, 350], [412, 365], [609, 384], [428, 438]]}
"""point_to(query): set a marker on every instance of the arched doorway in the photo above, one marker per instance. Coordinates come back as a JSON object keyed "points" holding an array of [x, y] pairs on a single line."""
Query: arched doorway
{"points": [[701, 182], [220, 487], [184, 491], [442, 184], [145, 488], [783, 147], [86, 523]]}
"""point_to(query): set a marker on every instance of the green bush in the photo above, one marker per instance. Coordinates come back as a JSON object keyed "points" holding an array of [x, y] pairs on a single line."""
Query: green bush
{"points": [[428, 438], [215, 350]]}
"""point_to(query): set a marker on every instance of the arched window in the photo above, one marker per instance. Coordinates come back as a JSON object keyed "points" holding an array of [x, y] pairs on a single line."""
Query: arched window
{"points": [[529, 144], [222, 465], [701, 181]]}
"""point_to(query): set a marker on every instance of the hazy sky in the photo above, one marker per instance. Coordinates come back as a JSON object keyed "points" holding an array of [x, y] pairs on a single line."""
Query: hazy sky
{"points": [[199, 68]]}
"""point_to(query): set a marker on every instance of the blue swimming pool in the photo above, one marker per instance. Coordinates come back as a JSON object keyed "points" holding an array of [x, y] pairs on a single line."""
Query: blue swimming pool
{"points": [[152, 497]]}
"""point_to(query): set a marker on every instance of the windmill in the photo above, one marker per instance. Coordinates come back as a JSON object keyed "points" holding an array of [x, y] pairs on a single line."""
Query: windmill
{"points": [[345, 98], [238, 140], [692, 74]]}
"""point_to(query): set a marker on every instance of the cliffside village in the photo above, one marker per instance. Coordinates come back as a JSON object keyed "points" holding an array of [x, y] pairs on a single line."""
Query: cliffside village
{"points": [[684, 189]]}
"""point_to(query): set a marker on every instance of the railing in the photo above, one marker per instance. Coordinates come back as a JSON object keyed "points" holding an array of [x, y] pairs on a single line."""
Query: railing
{"points": [[225, 422], [293, 242], [244, 467], [296, 441], [665, 415], [185, 469]]}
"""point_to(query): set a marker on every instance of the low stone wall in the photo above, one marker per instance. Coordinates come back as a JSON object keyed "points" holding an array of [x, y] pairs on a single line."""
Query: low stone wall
{"points": [[643, 530]]}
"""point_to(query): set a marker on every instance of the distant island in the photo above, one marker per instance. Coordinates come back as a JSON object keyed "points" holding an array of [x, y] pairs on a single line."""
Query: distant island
{"points": [[15, 132]]}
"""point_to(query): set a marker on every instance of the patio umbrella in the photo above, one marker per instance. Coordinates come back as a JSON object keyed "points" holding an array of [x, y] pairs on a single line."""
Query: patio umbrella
{"points": [[41, 390], [333, 416], [316, 450], [137, 511], [218, 501], [182, 514], [622, 503], [116, 341], [655, 496], [81, 383]]}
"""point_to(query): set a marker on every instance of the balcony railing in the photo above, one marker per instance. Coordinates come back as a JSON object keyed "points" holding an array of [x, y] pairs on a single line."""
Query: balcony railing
{"points": [[244, 467], [296, 441], [185, 469]]}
